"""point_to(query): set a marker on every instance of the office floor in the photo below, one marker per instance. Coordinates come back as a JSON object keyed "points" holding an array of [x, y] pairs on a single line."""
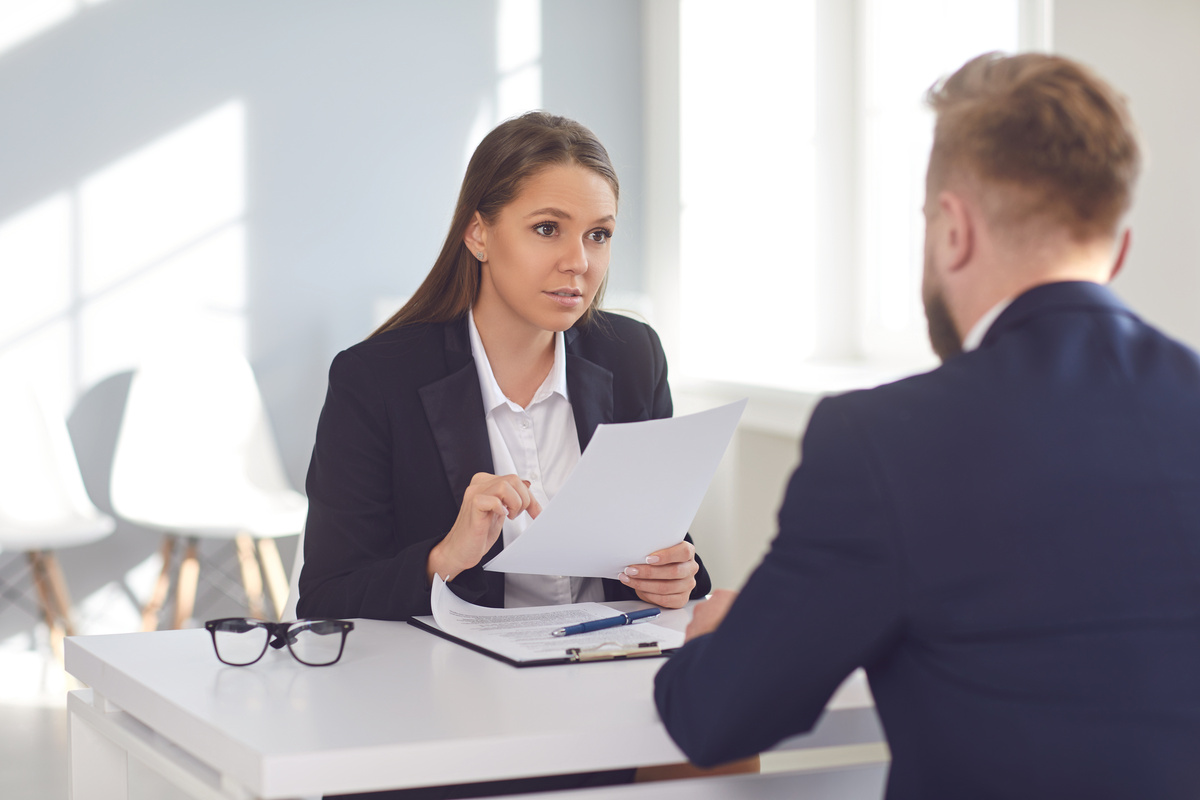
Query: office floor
{"points": [[33, 685]]}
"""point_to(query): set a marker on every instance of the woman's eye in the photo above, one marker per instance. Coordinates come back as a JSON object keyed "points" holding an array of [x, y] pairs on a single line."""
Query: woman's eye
{"points": [[545, 228], [600, 236]]}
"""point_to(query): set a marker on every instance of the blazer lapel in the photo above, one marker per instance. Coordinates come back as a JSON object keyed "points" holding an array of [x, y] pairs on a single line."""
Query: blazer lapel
{"points": [[591, 389], [454, 409]]}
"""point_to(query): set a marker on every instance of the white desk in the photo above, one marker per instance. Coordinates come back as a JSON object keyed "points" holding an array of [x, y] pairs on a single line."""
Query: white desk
{"points": [[402, 708]]}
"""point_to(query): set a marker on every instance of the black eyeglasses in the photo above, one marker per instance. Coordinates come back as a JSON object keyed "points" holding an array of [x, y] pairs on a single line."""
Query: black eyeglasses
{"points": [[240, 642]]}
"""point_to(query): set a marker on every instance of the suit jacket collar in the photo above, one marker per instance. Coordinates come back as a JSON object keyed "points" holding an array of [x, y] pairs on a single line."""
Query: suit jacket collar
{"points": [[1054, 297], [590, 387], [454, 405], [454, 410]]}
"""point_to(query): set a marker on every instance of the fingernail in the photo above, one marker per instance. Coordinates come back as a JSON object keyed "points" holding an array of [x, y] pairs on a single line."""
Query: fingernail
{"points": [[652, 559], [527, 483], [631, 570], [624, 578]]}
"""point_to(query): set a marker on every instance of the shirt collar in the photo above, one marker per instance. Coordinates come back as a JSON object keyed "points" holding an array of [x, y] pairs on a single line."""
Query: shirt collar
{"points": [[975, 336], [493, 396]]}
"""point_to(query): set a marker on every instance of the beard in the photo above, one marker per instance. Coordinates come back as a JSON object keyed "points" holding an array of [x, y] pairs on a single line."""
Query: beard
{"points": [[943, 336]]}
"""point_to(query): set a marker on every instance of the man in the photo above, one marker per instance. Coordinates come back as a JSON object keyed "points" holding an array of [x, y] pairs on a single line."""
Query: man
{"points": [[1010, 544]]}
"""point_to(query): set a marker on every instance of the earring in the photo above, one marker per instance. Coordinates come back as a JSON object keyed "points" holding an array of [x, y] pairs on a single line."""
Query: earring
{"points": [[479, 255]]}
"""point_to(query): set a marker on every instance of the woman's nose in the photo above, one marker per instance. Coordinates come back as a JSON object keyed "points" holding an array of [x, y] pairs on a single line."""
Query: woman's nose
{"points": [[574, 259]]}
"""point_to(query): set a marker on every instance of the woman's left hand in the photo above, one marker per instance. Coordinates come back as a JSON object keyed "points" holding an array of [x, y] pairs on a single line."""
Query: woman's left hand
{"points": [[667, 578]]}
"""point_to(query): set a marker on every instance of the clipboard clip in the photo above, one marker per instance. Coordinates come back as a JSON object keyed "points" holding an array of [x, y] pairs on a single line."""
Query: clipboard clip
{"points": [[603, 652]]}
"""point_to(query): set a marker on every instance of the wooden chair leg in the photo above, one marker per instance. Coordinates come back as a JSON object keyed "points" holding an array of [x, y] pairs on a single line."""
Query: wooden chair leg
{"points": [[58, 590], [41, 582], [185, 585], [675, 772], [251, 576], [272, 567], [161, 588]]}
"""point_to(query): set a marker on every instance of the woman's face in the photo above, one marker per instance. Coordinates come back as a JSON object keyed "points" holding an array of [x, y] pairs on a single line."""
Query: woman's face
{"points": [[546, 252]]}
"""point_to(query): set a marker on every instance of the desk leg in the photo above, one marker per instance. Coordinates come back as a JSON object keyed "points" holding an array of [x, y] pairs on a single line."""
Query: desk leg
{"points": [[99, 766]]}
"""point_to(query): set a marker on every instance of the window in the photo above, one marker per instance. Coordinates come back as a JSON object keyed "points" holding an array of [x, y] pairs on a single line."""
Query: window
{"points": [[802, 139]]}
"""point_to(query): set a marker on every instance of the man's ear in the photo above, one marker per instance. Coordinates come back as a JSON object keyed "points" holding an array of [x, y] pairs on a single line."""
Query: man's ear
{"points": [[1122, 251], [954, 242], [475, 236]]}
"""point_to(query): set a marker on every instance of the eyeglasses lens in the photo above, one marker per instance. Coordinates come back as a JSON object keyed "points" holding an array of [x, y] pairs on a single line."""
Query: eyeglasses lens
{"points": [[316, 642], [239, 643]]}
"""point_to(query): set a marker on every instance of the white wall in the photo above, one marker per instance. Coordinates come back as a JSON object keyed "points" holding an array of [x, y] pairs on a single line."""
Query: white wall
{"points": [[357, 119], [1150, 50]]}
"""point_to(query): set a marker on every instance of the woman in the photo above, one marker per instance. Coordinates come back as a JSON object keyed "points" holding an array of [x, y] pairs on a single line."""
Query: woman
{"points": [[449, 428]]}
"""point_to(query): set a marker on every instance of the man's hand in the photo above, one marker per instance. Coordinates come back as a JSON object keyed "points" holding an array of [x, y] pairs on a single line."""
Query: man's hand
{"points": [[707, 616], [488, 501], [667, 578]]}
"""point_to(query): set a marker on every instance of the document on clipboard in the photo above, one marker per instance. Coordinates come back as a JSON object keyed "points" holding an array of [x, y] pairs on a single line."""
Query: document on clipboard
{"points": [[635, 490], [523, 637]]}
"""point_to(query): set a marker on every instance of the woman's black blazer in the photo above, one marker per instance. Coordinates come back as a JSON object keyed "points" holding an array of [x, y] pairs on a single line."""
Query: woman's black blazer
{"points": [[402, 433]]}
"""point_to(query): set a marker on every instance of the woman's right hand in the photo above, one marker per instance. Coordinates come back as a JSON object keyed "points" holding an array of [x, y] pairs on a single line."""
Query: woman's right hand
{"points": [[488, 501]]}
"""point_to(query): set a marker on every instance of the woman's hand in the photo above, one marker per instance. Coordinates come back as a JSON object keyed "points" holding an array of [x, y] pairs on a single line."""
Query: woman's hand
{"points": [[488, 501], [667, 578]]}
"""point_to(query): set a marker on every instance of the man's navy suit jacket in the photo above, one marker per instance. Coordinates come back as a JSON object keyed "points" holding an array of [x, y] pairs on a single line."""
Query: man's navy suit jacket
{"points": [[1010, 545], [403, 432]]}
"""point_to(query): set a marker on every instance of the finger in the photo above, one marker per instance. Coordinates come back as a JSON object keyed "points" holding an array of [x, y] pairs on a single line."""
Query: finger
{"points": [[684, 551], [680, 586], [512, 492], [489, 507], [663, 572], [481, 477], [524, 492], [664, 600]]}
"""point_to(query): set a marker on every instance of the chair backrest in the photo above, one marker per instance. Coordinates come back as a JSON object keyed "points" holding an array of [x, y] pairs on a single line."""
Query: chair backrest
{"points": [[43, 502], [289, 608], [194, 434]]}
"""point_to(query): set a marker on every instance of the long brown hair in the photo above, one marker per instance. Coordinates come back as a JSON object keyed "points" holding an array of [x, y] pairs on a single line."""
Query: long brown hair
{"points": [[506, 158]]}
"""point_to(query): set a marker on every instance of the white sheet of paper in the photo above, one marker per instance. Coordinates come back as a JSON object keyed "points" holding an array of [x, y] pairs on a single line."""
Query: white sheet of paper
{"points": [[523, 634], [635, 490]]}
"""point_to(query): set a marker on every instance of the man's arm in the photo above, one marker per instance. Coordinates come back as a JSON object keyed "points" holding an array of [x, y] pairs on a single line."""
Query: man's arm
{"points": [[825, 600]]}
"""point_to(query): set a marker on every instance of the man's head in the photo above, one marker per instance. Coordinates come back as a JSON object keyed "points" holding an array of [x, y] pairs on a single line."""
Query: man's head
{"points": [[1033, 166]]}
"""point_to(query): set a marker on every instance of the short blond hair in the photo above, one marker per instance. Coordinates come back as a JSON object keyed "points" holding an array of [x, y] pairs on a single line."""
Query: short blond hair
{"points": [[1051, 137]]}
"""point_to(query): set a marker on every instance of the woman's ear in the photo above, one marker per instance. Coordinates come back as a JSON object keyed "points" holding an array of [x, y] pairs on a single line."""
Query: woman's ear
{"points": [[475, 237]]}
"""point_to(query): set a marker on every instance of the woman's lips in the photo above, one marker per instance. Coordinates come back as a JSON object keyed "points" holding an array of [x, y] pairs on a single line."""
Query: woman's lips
{"points": [[565, 298]]}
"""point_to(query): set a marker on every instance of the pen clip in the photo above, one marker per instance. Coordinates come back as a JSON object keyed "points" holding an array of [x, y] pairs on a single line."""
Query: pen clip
{"points": [[598, 653]]}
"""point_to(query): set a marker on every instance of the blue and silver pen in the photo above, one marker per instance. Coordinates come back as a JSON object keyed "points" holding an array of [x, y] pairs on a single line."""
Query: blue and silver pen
{"points": [[608, 622]]}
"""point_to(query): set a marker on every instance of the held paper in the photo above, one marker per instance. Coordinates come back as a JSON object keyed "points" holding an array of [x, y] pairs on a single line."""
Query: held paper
{"points": [[635, 490], [523, 634]]}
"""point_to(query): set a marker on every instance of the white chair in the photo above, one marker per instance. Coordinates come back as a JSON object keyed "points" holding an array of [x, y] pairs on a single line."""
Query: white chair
{"points": [[43, 504], [196, 458], [289, 610]]}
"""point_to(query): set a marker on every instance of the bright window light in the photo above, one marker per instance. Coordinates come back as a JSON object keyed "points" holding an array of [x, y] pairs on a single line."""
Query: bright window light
{"points": [[163, 198], [906, 47], [518, 57], [21, 20], [747, 152]]}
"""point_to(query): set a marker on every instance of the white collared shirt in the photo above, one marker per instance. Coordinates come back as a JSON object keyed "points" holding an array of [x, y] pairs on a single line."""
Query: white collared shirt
{"points": [[974, 337], [540, 444]]}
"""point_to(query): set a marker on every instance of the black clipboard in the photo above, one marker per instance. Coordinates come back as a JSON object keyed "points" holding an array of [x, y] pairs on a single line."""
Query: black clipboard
{"points": [[571, 655]]}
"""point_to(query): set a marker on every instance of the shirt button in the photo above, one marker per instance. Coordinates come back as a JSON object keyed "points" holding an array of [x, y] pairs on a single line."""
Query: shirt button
{"points": [[524, 424]]}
